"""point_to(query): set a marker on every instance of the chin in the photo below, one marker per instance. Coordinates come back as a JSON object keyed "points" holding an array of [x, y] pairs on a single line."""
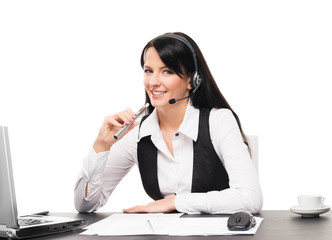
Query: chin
{"points": [[159, 104]]}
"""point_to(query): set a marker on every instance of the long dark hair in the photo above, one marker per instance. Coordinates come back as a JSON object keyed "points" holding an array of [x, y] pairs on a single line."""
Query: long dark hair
{"points": [[179, 58]]}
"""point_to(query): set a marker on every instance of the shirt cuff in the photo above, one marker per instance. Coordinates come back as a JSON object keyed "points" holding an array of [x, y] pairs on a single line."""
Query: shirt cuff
{"points": [[191, 203]]}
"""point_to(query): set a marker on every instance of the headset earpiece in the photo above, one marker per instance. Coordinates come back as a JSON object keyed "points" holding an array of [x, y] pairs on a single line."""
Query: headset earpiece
{"points": [[195, 81]]}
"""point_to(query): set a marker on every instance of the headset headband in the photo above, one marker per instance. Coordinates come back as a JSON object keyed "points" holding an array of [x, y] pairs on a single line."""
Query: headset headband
{"points": [[187, 43]]}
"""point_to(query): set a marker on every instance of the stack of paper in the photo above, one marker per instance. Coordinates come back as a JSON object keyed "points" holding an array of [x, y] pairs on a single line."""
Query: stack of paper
{"points": [[163, 224]]}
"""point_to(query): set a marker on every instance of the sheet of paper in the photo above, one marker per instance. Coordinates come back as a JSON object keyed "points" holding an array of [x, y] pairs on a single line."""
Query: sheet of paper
{"points": [[163, 224], [132, 224]]}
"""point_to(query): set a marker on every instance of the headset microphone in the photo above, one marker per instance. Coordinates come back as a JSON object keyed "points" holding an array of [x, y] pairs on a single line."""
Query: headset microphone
{"points": [[173, 100]]}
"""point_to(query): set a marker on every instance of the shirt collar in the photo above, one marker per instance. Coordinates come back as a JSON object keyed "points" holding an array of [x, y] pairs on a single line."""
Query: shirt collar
{"points": [[188, 127], [149, 127]]}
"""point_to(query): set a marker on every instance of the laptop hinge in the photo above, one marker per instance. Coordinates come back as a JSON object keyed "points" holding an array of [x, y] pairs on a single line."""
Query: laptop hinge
{"points": [[3, 228], [7, 232]]}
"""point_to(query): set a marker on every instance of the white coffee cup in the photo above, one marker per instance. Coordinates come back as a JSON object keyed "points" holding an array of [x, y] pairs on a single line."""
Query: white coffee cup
{"points": [[311, 201]]}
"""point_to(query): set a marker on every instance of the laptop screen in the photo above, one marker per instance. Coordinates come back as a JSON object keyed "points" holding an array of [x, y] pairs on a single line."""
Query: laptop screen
{"points": [[8, 208]]}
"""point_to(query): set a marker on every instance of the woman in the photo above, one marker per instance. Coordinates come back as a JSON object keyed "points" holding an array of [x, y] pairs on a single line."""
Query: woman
{"points": [[190, 148]]}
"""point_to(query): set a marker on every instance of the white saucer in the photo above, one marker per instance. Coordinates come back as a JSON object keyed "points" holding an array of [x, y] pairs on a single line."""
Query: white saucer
{"points": [[310, 212]]}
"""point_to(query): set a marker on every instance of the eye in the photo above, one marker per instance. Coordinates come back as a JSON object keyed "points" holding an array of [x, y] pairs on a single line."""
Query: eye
{"points": [[147, 71], [168, 72]]}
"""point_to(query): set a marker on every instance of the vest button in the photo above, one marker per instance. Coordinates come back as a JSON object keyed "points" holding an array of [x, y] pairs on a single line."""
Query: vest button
{"points": [[177, 134]]}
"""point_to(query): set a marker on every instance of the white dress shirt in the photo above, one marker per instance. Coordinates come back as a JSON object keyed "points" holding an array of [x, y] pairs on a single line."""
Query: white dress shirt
{"points": [[103, 171]]}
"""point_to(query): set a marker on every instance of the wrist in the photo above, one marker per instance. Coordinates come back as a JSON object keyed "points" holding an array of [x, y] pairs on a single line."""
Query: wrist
{"points": [[172, 203], [101, 146]]}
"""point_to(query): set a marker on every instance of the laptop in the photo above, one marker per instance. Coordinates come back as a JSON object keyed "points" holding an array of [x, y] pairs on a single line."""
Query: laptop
{"points": [[12, 226]]}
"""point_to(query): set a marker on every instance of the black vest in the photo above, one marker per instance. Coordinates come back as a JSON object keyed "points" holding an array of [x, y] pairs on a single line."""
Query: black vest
{"points": [[209, 173]]}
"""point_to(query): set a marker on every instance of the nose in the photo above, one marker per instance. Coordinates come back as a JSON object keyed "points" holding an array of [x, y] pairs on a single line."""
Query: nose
{"points": [[154, 80]]}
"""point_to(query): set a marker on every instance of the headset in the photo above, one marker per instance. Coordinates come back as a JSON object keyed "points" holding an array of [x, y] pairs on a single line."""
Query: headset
{"points": [[195, 79]]}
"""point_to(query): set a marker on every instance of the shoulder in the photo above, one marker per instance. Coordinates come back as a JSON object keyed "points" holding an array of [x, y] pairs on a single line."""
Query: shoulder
{"points": [[218, 115], [221, 122]]}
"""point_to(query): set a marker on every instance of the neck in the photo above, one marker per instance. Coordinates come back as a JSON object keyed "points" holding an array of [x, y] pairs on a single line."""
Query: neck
{"points": [[172, 116]]}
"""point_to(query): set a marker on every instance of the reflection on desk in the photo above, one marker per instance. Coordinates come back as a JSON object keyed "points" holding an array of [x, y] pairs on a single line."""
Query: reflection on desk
{"points": [[277, 225]]}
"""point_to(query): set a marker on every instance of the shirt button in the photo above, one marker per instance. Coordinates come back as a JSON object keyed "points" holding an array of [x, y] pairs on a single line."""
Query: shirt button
{"points": [[177, 134]]}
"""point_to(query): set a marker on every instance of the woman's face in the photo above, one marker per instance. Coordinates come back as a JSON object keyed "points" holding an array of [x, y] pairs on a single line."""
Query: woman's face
{"points": [[161, 83]]}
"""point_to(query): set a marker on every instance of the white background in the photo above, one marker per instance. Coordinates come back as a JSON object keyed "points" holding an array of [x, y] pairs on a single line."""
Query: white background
{"points": [[65, 65]]}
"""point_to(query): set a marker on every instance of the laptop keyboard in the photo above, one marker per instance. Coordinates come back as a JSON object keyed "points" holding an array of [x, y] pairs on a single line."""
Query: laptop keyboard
{"points": [[31, 221]]}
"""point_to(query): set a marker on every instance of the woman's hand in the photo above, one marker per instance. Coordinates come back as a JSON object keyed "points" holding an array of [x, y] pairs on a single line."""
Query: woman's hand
{"points": [[111, 125], [159, 206]]}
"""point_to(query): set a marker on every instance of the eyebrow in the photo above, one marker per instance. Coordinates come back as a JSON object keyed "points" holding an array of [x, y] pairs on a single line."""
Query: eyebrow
{"points": [[147, 66]]}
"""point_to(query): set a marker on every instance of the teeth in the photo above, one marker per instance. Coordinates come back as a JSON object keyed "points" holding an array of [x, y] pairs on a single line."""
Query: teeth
{"points": [[158, 93]]}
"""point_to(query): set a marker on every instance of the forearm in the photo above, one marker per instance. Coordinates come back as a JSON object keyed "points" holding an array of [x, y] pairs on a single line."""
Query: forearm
{"points": [[220, 202]]}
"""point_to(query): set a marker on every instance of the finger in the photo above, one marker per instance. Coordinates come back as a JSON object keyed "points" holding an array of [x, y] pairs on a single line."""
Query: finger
{"points": [[129, 210], [135, 209], [130, 112], [110, 120], [126, 117]]}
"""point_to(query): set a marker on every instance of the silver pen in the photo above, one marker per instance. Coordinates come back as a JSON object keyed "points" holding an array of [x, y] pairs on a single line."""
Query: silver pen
{"points": [[150, 225], [137, 115]]}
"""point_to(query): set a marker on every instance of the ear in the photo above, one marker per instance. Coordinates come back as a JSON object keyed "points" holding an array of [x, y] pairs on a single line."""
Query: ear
{"points": [[189, 85]]}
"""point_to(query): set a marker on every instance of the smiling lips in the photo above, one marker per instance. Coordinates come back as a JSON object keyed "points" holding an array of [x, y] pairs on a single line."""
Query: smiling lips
{"points": [[158, 93]]}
